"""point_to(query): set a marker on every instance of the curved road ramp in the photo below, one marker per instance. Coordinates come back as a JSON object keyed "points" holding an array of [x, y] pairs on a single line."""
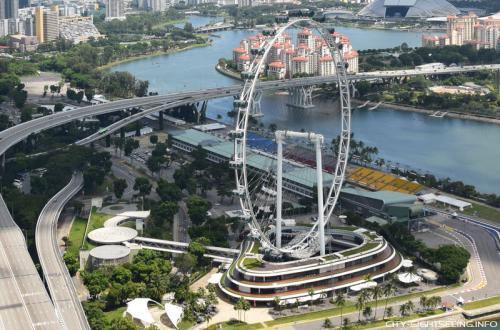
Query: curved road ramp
{"points": [[60, 284]]}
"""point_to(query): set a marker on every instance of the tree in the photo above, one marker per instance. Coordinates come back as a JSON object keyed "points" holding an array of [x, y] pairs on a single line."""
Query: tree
{"points": [[246, 307], [389, 290], [20, 97], [95, 315], [424, 303], [141, 88], [277, 303], [367, 312], [153, 139], [389, 312], [89, 94], [185, 262], [164, 211], [376, 294], [123, 323], [96, 282], [58, 107], [71, 263], [119, 186], [143, 186], [238, 307], [327, 324], [130, 145], [121, 275], [168, 191], [79, 97], [340, 302], [197, 209]]}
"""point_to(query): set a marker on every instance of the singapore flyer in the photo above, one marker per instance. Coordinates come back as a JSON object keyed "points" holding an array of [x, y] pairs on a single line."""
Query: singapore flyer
{"points": [[262, 179]]}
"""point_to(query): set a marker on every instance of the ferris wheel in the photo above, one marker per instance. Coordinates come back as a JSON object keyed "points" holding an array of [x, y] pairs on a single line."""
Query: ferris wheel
{"points": [[264, 174]]}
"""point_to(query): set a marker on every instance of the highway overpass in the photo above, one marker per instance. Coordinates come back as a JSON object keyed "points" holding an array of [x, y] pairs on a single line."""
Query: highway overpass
{"points": [[60, 284]]}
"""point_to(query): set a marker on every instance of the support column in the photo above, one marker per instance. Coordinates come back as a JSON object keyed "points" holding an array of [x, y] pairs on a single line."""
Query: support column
{"points": [[108, 141], [300, 97], [122, 133], [319, 184], [279, 188], [160, 120], [256, 110]]}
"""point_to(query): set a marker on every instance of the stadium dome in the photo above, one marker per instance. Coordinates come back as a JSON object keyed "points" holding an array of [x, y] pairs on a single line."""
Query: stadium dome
{"points": [[409, 9]]}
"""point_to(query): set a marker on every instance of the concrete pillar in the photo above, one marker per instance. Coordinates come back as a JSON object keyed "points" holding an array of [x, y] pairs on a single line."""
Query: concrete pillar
{"points": [[279, 188], [122, 133], [319, 184], [256, 110], [160, 120], [300, 97], [108, 141]]}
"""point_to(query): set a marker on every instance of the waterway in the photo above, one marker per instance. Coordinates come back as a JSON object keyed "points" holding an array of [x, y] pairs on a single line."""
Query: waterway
{"points": [[447, 147]]}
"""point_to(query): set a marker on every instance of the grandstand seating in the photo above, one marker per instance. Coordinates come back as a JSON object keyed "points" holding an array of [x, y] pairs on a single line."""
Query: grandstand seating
{"points": [[377, 180]]}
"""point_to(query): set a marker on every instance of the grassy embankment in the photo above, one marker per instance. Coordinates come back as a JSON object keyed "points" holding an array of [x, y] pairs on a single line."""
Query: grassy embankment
{"points": [[482, 303], [77, 232], [483, 211]]}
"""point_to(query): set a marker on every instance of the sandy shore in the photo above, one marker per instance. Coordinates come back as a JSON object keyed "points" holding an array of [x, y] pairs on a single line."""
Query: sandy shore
{"points": [[34, 84]]}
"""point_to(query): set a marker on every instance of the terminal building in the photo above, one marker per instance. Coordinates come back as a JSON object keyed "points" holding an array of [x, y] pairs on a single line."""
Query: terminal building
{"points": [[408, 9], [359, 253]]}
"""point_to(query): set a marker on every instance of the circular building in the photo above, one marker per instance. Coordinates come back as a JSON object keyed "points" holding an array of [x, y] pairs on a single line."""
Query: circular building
{"points": [[112, 235], [108, 255], [409, 9]]}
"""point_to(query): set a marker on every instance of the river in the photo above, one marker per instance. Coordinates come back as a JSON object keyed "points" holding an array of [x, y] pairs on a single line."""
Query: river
{"points": [[460, 149]]}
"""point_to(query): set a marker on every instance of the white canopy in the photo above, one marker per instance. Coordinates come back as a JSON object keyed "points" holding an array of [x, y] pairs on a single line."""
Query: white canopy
{"points": [[408, 278], [407, 263], [452, 201], [303, 299], [138, 309], [174, 313], [362, 286]]}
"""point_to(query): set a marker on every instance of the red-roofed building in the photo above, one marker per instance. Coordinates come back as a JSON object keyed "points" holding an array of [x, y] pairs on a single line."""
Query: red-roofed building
{"points": [[276, 70]]}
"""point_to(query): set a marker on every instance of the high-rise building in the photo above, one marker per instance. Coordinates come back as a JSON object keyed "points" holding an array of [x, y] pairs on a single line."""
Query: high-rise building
{"points": [[46, 24], [39, 30], [9, 8], [51, 24], [114, 9], [462, 27]]}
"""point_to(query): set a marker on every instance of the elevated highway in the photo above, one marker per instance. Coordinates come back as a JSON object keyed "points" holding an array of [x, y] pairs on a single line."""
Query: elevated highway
{"points": [[57, 277], [24, 302]]}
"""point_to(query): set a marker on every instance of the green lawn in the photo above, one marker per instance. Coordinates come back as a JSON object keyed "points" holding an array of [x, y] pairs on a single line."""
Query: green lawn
{"points": [[113, 314], [482, 303], [255, 247], [485, 212], [349, 308], [251, 263], [96, 221], [233, 324], [363, 248], [185, 325], [76, 235], [381, 323]]}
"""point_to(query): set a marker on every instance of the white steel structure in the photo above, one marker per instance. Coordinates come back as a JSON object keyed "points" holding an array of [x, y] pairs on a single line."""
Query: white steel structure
{"points": [[259, 215]]}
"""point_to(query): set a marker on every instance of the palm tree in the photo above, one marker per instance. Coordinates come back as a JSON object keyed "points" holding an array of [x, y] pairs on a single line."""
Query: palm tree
{"points": [[208, 317], [411, 306], [389, 311], [277, 301], [367, 312], [376, 294], [246, 307], [389, 290], [424, 303], [310, 292], [360, 303], [340, 302], [403, 309]]}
